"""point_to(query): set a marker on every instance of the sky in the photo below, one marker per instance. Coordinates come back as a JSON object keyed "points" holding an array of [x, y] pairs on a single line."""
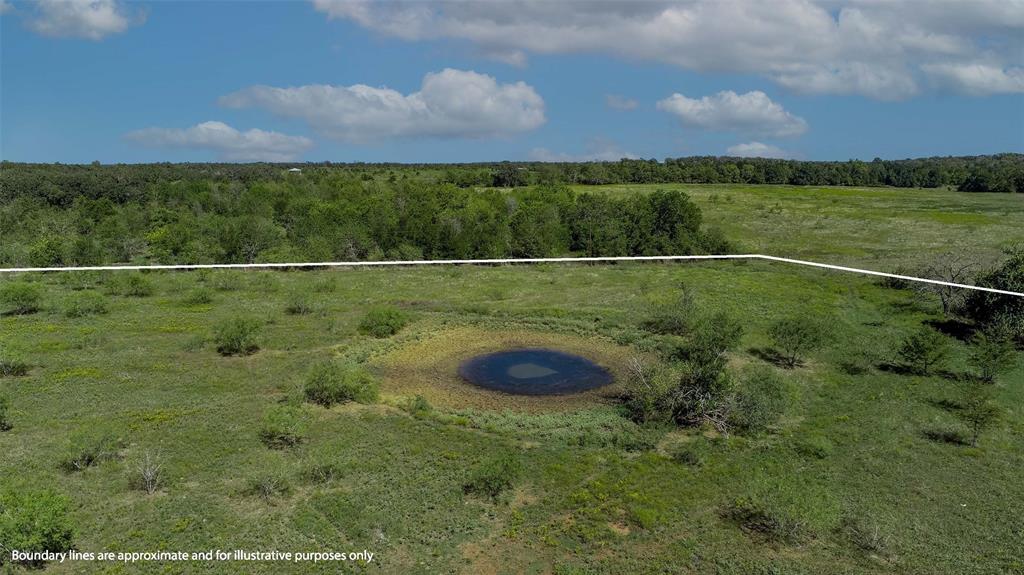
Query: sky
{"points": [[456, 81]]}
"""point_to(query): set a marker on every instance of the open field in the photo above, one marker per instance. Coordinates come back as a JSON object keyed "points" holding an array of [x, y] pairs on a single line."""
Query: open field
{"points": [[853, 467], [878, 228]]}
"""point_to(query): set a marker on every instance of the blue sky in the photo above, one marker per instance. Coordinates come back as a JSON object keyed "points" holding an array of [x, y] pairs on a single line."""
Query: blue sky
{"points": [[206, 81]]}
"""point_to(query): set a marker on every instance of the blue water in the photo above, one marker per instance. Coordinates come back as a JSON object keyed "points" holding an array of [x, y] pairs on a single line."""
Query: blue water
{"points": [[534, 372]]}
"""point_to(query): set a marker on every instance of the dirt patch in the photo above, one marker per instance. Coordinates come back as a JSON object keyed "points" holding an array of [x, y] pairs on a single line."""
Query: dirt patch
{"points": [[429, 367]]}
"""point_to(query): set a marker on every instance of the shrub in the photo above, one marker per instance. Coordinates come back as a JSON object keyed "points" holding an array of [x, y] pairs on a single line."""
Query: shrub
{"points": [[198, 296], [323, 472], [979, 414], [85, 303], [225, 281], [924, 350], [795, 337], [5, 421], [675, 317], [298, 304], [990, 309], [20, 297], [816, 446], [693, 453], [148, 474], [992, 353], [267, 486], [383, 321], [34, 521], [865, 535], [329, 383], [283, 426], [136, 285], [237, 336], [494, 476], [647, 393], [12, 366], [89, 449], [761, 398], [418, 406]]}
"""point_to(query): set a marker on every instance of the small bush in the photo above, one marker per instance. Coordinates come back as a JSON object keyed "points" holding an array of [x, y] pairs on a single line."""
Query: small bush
{"points": [[494, 476], [267, 486], [20, 298], [329, 383], [34, 521], [816, 446], [760, 399], [383, 321], [646, 396], [795, 337], [85, 303], [237, 336], [865, 535], [992, 353], [90, 449], [298, 304], [198, 296], [924, 351], [148, 474], [693, 453], [418, 407], [675, 317], [136, 285], [12, 366], [225, 281], [283, 426], [321, 473], [5, 420], [979, 413]]}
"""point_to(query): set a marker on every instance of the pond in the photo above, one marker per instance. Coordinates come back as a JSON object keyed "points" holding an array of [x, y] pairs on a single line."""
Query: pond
{"points": [[534, 372]]}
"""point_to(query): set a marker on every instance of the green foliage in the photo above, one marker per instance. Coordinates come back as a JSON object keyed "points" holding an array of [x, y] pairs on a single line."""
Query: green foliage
{"points": [[761, 398], [237, 336], [5, 419], [134, 284], [924, 351], [90, 448], [11, 365], [19, 297], [418, 407], [1001, 311], [816, 446], [298, 303], [383, 321], [794, 337], [267, 486], [284, 426], [647, 395], [85, 303], [992, 353], [329, 383], [198, 296], [674, 317], [34, 521], [783, 511], [494, 475], [978, 412]]}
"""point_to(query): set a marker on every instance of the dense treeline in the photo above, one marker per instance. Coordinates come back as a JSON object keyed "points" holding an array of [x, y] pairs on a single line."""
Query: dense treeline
{"points": [[343, 216], [60, 184]]}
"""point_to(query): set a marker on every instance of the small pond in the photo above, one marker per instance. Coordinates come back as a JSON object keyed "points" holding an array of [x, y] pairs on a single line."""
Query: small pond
{"points": [[534, 372]]}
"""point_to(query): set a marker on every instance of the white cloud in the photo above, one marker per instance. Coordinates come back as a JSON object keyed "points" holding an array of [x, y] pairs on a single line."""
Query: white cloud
{"points": [[5, 6], [91, 19], [230, 144], [977, 79], [871, 47], [727, 111], [757, 150], [450, 104], [616, 102], [598, 150]]}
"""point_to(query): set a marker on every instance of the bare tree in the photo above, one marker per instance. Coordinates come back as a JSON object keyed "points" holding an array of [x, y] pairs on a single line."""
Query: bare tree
{"points": [[953, 268]]}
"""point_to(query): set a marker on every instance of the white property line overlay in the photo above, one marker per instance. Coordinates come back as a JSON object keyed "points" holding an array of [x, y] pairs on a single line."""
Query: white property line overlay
{"points": [[510, 261]]}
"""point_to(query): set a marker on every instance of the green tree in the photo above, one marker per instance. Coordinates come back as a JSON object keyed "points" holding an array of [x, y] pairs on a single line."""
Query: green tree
{"points": [[794, 337], [992, 353], [924, 350]]}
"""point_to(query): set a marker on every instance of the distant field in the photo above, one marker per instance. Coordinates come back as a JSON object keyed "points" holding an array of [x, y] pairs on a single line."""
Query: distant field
{"points": [[881, 228], [851, 463]]}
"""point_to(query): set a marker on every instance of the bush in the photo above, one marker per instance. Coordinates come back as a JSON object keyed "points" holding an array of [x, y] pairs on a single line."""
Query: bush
{"points": [[34, 521], [992, 353], [225, 281], [267, 486], [992, 309], [924, 350], [136, 285], [675, 317], [298, 304], [795, 337], [761, 398], [979, 413], [148, 474], [199, 296], [329, 383], [85, 303], [494, 476], [283, 426], [5, 420], [237, 336], [20, 297], [89, 449], [418, 407], [647, 393], [693, 453], [383, 321], [321, 473], [12, 366], [816, 446]]}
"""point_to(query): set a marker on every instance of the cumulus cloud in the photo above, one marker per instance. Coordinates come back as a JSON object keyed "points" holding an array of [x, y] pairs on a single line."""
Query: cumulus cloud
{"points": [[598, 150], [616, 102], [450, 104], [90, 19], [871, 47], [727, 111], [230, 144], [757, 150], [977, 79]]}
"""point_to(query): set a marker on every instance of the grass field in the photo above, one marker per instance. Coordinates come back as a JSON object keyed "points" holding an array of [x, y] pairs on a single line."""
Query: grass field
{"points": [[856, 473], [878, 227]]}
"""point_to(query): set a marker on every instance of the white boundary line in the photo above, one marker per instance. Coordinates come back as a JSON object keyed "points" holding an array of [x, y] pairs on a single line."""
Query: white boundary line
{"points": [[509, 261]]}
